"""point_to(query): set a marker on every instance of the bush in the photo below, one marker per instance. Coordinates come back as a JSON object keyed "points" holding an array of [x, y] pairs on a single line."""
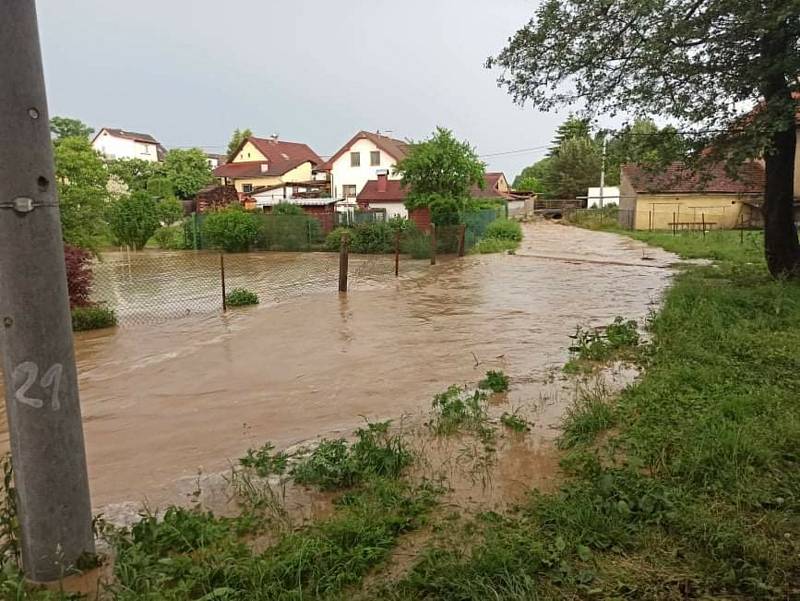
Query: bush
{"points": [[504, 229], [417, 244], [134, 219], [496, 381], [368, 238], [239, 297], [286, 208], [170, 238], [287, 230], [333, 241], [79, 275], [92, 317], [232, 229]]}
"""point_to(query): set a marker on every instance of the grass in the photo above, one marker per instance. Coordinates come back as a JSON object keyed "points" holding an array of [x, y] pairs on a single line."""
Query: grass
{"points": [[696, 493]]}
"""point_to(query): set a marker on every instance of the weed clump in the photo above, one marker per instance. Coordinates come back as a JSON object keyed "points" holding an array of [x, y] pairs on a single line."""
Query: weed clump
{"points": [[92, 317], [239, 297], [514, 422], [618, 340], [264, 462], [456, 409], [335, 464], [496, 381]]}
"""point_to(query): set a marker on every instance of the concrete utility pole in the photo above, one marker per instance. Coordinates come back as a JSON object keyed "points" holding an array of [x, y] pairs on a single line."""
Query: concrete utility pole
{"points": [[41, 385]]}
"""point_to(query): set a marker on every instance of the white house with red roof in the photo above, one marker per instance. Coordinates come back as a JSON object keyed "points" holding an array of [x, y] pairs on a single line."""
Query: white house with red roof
{"points": [[363, 158], [265, 162], [123, 144], [384, 193]]}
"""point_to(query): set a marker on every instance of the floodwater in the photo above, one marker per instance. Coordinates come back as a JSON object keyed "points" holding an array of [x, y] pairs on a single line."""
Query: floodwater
{"points": [[164, 402]]}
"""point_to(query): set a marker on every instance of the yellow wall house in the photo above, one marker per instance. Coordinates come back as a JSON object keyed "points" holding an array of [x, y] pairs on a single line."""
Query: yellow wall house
{"points": [[262, 162], [678, 197]]}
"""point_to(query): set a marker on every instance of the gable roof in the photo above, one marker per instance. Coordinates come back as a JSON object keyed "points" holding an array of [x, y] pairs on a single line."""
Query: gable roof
{"points": [[128, 135], [282, 157], [395, 192], [397, 149], [679, 178]]}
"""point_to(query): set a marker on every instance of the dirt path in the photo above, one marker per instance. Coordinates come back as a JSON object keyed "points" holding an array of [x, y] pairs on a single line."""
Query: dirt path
{"points": [[161, 402]]}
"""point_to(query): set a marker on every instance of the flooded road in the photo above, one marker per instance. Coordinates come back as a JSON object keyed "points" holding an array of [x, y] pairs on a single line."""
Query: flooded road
{"points": [[162, 402]]}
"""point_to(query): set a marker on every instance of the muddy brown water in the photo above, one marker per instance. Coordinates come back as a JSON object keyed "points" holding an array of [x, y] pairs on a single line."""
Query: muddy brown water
{"points": [[162, 402]]}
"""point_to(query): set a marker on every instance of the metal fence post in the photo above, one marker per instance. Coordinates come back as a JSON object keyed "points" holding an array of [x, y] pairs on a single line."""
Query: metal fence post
{"points": [[194, 230], [397, 254], [741, 228], [222, 279], [344, 251], [703, 217], [41, 382], [674, 225], [433, 244]]}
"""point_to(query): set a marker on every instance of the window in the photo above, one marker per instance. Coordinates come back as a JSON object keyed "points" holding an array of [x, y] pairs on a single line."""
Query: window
{"points": [[355, 159], [349, 191], [247, 188], [375, 158]]}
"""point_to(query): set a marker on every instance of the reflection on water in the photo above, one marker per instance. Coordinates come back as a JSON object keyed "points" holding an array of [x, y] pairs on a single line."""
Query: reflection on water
{"points": [[161, 402]]}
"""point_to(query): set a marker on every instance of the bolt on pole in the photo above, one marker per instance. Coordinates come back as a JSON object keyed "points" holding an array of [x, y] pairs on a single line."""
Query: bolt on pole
{"points": [[41, 384]]}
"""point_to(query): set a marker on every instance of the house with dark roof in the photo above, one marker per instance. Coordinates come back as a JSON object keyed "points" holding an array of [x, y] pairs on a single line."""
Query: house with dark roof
{"points": [[684, 198], [265, 162], [123, 144], [363, 158]]}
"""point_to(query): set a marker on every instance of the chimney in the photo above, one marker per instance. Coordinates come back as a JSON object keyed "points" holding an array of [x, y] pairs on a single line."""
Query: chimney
{"points": [[274, 137], [383, 179]]}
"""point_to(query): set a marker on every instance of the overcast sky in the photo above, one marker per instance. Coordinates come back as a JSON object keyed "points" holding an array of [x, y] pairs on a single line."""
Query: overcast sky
{"points": [[314, 71]]}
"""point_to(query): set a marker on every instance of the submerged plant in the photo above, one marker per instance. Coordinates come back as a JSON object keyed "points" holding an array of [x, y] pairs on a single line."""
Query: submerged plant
{"points": [[496, 381], [514, 422], [239, 297], [456, 409], [594, 345], [264, 462]]}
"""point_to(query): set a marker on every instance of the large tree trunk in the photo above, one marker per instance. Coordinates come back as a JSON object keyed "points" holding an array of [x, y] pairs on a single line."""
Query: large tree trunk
{"points": [[781, 245]]}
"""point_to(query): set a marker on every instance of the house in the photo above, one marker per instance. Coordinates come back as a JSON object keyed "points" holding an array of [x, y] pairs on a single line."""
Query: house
{"points": [[362, 159], [678, 197], [390, 195], [291, 192], [122, 144], [265, 162], [215, 160], [322, 209]]}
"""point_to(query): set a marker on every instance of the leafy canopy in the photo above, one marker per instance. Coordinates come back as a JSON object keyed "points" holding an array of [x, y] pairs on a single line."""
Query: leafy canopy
{"points": [[187, 170], [441, 166], [82, 179], [232, 229], [65, 127], [133, 219]]}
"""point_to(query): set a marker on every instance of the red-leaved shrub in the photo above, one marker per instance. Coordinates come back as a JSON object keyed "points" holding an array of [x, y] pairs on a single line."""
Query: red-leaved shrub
{"points": [[79, 275]]}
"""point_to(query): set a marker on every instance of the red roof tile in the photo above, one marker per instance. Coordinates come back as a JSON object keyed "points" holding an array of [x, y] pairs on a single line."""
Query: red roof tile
{"points": [[282, 157], [397, 149], [677, 178]]}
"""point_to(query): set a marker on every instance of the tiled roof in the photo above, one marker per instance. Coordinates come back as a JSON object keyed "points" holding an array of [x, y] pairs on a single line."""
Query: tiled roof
{"points": [[397, 149], [395, 192], [282, 157], [128, 135], [677, 178]]}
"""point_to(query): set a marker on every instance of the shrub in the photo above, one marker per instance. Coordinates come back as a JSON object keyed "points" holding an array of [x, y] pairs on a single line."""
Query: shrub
{"points": [[504, 229], [417, 244], [232, 229], [496, 381], [170, 238], [79, 275], [287, 231], [264, 462], [92, 317], [286, 208], [514, 422], [334, 464], [369, 238], [134, 219], [333, 240], [239, 297], [455, 409]]}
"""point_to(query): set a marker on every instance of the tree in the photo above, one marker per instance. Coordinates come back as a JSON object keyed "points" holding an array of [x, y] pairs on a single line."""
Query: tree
{"points": [[170, 210], [644, 143], [232, 229], [573, 127], [134, 219], [534, 178], [440, 167], [134, 172], [287, 208], [82, 189], [574, 168], [704, 63], [237, 138], [188, 171], [65, 127]]}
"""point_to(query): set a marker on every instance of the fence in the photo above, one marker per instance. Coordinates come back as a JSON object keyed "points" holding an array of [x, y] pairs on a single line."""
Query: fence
{"points": [[276, 232], [601, 218]]}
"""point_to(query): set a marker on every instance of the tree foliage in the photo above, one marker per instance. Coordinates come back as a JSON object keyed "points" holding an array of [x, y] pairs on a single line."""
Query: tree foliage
{"points": [[573, 127], [134, 219], [188, 171], [238, 136], [704, 63], [134, 172], [574, 168], [287, 208], [441, 166], [81, 179], [232, 229], [66, 127], [78, 263]]}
